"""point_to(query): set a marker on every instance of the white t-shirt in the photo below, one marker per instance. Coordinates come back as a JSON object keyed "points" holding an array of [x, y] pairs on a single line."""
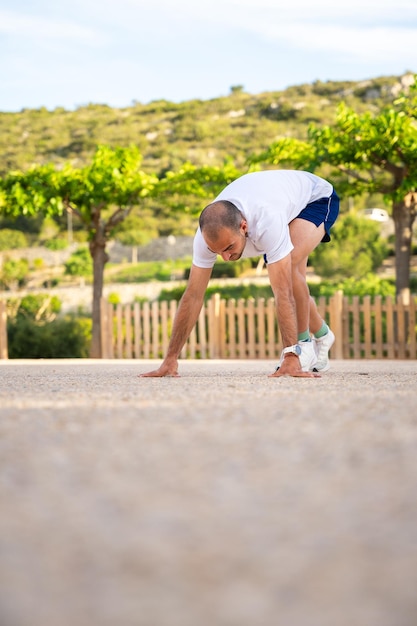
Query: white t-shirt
{"points": [[268, 201]]}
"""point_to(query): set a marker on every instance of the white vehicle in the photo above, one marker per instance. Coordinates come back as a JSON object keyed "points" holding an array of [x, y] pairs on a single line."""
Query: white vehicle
{"points": [[378, 215]]}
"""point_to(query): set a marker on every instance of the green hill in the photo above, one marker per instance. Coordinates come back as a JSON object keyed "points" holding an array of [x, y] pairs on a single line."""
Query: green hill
{"points": [[202, 132]]}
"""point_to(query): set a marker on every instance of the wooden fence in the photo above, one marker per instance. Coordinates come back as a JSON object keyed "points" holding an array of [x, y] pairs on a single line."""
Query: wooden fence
{"points": [[247, 329]]}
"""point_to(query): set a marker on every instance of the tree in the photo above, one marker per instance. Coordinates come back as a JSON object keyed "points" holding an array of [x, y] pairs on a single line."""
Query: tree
{"points": [[101, 195], [367, 153]]}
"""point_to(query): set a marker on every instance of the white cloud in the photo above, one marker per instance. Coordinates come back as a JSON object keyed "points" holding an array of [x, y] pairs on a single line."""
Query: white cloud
{"points": [[74, 51], [375, 43], [371, 11], [24, 25]]}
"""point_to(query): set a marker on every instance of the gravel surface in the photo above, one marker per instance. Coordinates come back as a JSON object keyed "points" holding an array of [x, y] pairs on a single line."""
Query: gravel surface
{"points": [[221, 498]]}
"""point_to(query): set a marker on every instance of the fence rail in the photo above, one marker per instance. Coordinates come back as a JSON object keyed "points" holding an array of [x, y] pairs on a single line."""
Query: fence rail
{"points": [[371, 328]]}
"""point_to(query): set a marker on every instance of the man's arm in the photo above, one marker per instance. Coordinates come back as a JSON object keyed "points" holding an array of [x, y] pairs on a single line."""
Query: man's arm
{"points": [[187, 314], [280, 276]]}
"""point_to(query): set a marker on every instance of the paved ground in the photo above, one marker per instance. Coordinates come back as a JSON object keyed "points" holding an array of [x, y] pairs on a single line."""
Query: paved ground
{"points": [[222, 498]]}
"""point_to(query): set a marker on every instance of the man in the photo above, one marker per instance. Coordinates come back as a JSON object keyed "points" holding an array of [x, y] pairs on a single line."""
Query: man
{"points": [[284, 215]]}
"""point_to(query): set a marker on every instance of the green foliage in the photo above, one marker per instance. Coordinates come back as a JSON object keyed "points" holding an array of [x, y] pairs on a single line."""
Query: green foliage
{"points": [[355, 250], [12, 239], [80, 263], [149, 270], [372, 151], [14, 273], [168, 134], [49, 230], [66, 337], [137, 230], [114, 298], [35, 331], [171, 294], [56, 244], [240, 291], [38, 263], [36, 307], [250, 290], [369, 285], [32, 192], [227, 269]]}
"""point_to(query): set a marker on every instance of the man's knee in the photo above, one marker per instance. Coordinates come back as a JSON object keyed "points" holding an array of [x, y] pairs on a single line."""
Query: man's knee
{"points": [[299, 269]]}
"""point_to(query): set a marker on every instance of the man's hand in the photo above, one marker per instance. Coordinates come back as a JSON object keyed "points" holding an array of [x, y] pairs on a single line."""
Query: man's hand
{"points": [[291, 366], [168, 368]]}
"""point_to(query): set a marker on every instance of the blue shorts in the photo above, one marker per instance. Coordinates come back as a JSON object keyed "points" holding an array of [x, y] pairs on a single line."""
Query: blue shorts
{"points": [[322, 211]]}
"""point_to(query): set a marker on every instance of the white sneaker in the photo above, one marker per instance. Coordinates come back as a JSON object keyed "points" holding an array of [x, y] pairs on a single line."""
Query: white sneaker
{"points": [[322, 346], [308, 358]]}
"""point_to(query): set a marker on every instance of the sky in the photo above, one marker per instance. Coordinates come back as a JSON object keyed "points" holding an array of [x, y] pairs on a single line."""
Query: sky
{"points": [[69, 53]]}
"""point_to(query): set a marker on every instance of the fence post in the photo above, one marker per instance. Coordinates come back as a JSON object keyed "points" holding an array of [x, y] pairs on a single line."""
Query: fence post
{"points": [[3, 331], [214, 326], [104, 327], [336, 323]]}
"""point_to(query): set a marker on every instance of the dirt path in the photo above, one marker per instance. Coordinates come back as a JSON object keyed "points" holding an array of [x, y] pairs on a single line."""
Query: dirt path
{"points": [[222, 498]]}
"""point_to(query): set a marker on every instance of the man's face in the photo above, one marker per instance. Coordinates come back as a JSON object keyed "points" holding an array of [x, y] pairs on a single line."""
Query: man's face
{"points": [[229, 244]]}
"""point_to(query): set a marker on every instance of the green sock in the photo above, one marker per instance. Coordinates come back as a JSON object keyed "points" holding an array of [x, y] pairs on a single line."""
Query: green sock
{"points": [[305, 336], [323, 331]]}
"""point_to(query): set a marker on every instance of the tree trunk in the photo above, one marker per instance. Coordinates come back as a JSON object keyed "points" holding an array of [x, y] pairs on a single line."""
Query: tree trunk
{"points": [[404, 214], [100, 258]]}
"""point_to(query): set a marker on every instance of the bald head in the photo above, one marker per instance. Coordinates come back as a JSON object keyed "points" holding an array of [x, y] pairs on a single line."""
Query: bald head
{"points": [[219, 215]]}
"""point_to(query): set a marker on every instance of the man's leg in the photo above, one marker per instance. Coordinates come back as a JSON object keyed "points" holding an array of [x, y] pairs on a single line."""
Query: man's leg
{"points": [[305, 236]]}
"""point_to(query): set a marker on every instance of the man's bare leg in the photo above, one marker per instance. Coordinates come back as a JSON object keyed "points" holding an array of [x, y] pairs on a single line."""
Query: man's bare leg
{"points": [[305, 236]]}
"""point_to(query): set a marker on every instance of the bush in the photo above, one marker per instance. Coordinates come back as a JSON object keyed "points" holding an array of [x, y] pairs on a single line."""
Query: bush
{"points": [[12, 239], [56, 244], [114, 298], [137, 230], [227, 292], [369, 285], [227, 269], [356, 250], [14, 273], [37, 307], [150, 270], [80, 263], [67, 337]]}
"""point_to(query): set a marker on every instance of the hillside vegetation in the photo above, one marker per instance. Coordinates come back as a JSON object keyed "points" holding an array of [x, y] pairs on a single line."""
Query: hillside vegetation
{"points": [[168, 134]]}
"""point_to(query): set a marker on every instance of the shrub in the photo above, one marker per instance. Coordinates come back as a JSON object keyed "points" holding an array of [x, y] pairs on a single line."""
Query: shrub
{"points": [[80, 263], [67, 337], [37, 307], [12, 239], [227, 292], [369, 285], [14, 273], [114, 298], [356, 250], [56, 244], [227, 269], [150, 270]]}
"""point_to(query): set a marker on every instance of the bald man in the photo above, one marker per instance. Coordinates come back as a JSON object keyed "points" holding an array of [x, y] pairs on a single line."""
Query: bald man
{"points": [[280, 214]]}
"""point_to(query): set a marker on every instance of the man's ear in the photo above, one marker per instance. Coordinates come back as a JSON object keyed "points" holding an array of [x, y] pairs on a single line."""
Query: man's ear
{"points": [[244, 226]]}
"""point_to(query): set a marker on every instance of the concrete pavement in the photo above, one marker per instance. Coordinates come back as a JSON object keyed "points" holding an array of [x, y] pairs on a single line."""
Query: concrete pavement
{"points": [[221, 498]]}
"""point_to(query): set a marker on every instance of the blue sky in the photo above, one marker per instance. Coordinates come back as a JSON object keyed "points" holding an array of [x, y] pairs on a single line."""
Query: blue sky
{"points": [[72, 52]]}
